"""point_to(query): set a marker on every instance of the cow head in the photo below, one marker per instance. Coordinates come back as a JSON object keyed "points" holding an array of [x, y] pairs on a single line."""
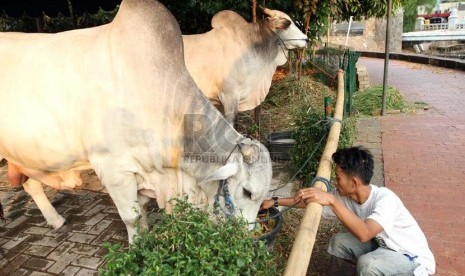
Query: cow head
{"points": [[248, 173], [284, 27]]}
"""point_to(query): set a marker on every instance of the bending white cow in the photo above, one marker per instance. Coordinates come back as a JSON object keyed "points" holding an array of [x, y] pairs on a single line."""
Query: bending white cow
{"points": [[119, 99], [233, 64]]}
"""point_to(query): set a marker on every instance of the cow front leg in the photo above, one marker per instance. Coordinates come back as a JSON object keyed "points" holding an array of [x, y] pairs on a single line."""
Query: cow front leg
{"points": [[35, 190], [122, 188], [143, 200]]}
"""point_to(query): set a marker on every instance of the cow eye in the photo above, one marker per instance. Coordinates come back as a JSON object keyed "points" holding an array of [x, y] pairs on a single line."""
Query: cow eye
{"points": [[247, 193]]}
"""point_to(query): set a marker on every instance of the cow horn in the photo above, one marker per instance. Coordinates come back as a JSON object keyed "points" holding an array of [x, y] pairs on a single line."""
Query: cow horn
{"points": [[249, 153], [268, 12]]}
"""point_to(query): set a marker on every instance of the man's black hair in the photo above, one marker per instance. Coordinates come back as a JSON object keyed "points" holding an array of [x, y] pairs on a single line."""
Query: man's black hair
{"points": [[355, 161]]}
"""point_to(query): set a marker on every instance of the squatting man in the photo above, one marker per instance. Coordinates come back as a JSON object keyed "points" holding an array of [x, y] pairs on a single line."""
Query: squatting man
{"points": [[381, 237]]}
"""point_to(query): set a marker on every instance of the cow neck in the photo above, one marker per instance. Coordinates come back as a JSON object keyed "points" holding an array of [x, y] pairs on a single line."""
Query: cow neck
{"points": [[265, 40], [213, 144]]}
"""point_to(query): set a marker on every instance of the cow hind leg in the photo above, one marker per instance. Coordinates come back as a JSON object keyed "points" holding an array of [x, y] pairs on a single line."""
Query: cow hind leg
{"points": [[35, 190]]}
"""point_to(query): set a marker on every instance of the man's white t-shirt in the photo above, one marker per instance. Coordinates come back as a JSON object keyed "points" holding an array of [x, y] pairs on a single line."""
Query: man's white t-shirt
{"points": [[400, 233]]}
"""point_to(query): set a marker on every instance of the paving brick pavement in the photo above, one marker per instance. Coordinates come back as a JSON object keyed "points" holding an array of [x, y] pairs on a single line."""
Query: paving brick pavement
{"points": [[29, 247], [424, 154], [368, 134]]}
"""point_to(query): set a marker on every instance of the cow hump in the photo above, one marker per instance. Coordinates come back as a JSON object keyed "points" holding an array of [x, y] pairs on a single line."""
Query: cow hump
{"points": [[228, 19]]}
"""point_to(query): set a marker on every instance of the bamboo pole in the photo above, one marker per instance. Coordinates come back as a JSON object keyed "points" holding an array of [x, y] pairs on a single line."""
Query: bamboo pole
{"points": [[303, 245]]}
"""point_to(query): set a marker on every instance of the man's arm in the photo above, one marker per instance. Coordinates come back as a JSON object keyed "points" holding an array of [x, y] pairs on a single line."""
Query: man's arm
{"points": [[286, 201], [363, 230]]}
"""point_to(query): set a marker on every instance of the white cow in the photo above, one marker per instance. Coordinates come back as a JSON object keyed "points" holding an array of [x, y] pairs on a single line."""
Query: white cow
{"points": [[233, 64], [118, 99]]}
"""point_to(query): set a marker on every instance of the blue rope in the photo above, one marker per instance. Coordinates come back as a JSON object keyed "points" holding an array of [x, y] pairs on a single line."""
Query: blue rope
{"points": [[228, 203], [326, 181], [335, 120]]}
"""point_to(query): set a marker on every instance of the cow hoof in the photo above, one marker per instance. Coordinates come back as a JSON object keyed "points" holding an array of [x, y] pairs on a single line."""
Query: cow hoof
{"points": [[66, 227], [58, 223]]}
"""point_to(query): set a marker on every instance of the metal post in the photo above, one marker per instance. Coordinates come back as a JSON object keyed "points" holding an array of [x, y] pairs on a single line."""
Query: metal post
{"points": [[386, 58], [327, 101], [348, 31]]}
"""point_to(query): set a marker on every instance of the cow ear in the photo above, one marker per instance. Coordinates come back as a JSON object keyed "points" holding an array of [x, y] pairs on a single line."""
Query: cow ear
{"points": [[280, 23], [224, 172]]}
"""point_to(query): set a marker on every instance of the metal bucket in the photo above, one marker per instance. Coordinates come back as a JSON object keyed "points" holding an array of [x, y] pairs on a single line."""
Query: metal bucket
{"points": [[280, 144]]}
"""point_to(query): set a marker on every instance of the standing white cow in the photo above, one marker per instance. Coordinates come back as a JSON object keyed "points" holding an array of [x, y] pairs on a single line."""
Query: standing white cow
{"points": [[118, 99], [233, 64]]}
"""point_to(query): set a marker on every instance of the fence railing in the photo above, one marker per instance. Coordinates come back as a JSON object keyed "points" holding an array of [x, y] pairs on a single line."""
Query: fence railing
{"points": [[302, 248], [434, 27], [441, 26], [330, 59]]}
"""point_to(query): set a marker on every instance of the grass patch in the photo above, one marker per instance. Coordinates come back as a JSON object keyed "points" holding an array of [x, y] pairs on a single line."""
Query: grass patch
{"points": [[369, 101], [287, 97]]}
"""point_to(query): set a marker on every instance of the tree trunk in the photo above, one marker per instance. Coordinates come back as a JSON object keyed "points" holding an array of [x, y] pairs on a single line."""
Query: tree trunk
{"points": [[302, 55], [40, 24], [254, 11], [257, 109], [72, 14]]}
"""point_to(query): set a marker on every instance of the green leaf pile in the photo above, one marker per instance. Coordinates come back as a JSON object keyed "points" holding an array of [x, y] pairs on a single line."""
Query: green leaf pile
{"points": [[369, 101], [188, 242]]}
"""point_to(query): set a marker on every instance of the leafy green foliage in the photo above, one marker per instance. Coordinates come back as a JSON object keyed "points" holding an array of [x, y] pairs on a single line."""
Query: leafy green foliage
{"points": [[56, 24], [194, 16], [369, 101], [22, 24], [344, 9], [310, 135], [188, 242], [410, 12], [339, 10]]}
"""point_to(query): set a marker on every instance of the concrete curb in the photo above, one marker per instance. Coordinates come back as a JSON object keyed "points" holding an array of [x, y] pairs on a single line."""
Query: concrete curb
{"points": [[416, 58]]}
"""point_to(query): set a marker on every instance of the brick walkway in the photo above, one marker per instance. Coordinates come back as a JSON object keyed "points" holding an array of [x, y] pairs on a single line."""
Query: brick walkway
{"points": [[29, 247], [424, 155]]}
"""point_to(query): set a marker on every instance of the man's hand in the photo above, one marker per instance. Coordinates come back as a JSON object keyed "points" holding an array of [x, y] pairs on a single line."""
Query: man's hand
{"points": [[266, 204], [317, 195]]}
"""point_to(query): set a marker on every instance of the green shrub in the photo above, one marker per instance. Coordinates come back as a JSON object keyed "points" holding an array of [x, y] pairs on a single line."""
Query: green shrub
{"points": [[369, 101], [310, 136], [188, 242]]}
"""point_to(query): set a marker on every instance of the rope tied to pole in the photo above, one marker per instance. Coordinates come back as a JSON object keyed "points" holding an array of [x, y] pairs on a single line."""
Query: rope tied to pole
{"points": [[335, 120], [324, 180]]}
